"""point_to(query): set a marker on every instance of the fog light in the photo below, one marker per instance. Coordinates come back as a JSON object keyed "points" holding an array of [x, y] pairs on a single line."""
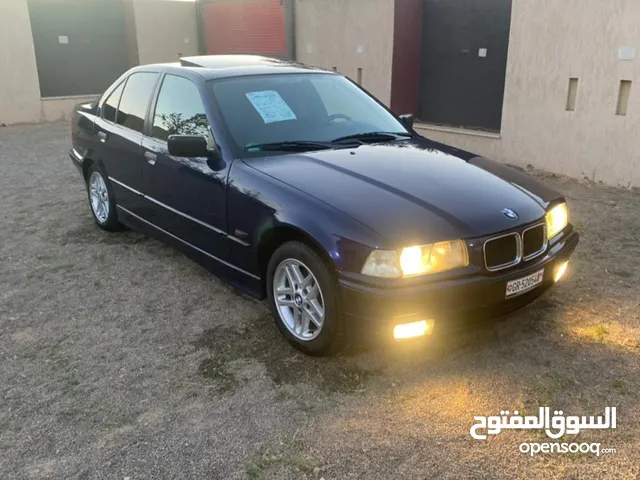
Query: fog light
{"points": [[413, 329], [560, 269]]}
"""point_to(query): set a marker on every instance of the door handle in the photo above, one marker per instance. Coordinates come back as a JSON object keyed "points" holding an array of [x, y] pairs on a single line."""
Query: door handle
{"points": [[151, 158], [103, 136]]}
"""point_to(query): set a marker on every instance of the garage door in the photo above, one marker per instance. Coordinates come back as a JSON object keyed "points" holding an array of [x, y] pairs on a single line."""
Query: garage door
{"points": [[69, 35], [464, 62], [247, 27]]}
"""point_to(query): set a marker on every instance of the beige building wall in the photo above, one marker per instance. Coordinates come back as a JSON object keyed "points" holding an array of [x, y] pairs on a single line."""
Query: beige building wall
{"points": [[19, 87], [552, 41], [165, 30], [348, 34]]}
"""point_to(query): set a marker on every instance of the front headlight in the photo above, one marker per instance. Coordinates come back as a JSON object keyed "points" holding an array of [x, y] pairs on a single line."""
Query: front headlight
{"points": [[433, 258], [382, 263], [557, 219], [417, 260]]}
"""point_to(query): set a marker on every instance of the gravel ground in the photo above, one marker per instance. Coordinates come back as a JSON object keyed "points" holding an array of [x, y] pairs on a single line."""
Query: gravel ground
{"points": [[121, 358]]}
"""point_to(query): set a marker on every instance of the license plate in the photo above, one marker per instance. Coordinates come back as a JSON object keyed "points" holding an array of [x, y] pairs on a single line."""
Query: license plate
{"points": [[524, 284]]}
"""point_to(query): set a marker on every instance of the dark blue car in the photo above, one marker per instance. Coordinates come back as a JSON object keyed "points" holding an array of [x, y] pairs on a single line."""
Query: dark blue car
{"points": [[295, 184]]}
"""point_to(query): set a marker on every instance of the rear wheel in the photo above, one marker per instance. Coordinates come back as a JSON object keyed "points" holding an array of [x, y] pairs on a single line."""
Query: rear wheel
{"points": [[101, 201], [302, 296]]}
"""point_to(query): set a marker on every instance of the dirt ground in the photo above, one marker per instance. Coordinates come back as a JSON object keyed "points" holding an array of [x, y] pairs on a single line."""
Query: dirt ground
{"points": [[122, 359]]}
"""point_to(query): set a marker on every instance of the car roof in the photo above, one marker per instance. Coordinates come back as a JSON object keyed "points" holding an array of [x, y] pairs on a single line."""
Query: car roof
{"points": [[211, 67]]}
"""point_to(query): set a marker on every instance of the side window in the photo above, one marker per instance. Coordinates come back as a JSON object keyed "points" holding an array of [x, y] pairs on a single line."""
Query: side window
{"points": [[110, 106], [180, 110], [135, 99]]}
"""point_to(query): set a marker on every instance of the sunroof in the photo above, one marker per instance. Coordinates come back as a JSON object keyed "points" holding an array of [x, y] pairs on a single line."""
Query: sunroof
{"points": [[226, 61]]}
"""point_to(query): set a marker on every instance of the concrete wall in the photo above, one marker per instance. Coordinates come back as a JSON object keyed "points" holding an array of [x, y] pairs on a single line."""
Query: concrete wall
{"points": [[19, 87], [165, 30], [551, 41], [348, 34]]}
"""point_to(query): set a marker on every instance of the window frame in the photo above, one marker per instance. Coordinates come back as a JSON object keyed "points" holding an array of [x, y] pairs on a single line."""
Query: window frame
{"points": [[154, 92], [154, 107], [124, 81]]}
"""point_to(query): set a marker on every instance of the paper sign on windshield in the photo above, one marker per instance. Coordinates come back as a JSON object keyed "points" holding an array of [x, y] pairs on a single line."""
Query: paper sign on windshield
{"points": [[271, 107]]}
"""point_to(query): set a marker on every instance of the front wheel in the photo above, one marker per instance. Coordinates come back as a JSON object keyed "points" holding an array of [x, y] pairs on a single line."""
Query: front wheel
{"points": [[301, 289], [103, 206]]}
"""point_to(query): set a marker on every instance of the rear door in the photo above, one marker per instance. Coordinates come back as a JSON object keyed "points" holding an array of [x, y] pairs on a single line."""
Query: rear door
{"points": [[188, 196], [119, 130]]}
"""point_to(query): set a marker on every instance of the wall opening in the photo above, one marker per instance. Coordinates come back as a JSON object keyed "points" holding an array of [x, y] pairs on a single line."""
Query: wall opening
{"points": [[572, 94], [624, 93]]}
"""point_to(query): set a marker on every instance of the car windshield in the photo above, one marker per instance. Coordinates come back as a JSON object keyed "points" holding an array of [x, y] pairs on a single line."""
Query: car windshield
{"points": [[299, 112]]}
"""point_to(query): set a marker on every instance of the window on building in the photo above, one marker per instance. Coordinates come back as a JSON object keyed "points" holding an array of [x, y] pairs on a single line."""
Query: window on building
{"points": [[110, 106], [135, 100], [179, 110]]}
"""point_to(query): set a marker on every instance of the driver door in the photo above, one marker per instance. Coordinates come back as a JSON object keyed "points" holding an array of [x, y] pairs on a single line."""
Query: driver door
{"points": [[187, 197]]}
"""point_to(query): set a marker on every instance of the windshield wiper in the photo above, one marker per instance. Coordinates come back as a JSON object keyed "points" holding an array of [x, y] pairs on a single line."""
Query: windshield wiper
{"points": [[307, 145], [373, 136], [289, 146]]}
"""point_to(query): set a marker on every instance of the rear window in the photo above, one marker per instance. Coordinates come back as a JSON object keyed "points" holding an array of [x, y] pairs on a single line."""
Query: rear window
{"points": [[135, 100]]}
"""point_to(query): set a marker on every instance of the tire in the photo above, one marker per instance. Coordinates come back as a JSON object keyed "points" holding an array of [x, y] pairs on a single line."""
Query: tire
{"points": [[329, 337], [101, 200]]}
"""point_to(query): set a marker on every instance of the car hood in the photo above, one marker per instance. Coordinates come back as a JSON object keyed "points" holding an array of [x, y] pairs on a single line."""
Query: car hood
{"points": [[414, 191]]}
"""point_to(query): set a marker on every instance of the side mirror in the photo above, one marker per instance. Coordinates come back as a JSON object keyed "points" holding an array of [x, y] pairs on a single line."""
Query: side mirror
{"points": [[407, 119], [187, 146]]}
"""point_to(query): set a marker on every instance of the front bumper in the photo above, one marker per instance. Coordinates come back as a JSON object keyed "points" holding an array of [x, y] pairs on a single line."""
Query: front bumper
{"points": [[473, 298]]}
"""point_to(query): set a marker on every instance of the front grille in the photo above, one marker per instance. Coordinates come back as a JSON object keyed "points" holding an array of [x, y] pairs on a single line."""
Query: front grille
{"points": [[502, 252], [534, 241]]}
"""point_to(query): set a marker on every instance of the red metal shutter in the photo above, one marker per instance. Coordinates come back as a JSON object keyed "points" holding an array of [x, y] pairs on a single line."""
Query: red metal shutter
{"points": [[246, 26]]}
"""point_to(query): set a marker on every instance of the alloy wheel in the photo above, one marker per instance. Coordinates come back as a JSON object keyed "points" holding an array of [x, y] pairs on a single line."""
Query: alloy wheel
{"points": [[298, 299], [99, 197]]}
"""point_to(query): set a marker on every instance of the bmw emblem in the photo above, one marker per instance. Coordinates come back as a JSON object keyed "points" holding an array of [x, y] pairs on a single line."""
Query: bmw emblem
{"points": [[297, 299], [507, 212]]}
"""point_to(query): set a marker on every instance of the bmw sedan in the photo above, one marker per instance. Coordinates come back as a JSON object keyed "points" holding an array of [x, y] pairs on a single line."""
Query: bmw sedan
{"points": [[295, 184]]}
